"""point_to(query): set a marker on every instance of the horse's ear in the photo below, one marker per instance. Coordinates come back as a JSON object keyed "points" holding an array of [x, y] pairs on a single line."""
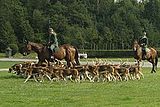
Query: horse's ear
{"points": [[25, 41], [135, 41]]}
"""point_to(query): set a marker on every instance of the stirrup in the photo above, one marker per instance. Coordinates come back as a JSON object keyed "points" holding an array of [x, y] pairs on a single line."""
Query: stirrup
{"points": [[144, 57], [51, 59]]}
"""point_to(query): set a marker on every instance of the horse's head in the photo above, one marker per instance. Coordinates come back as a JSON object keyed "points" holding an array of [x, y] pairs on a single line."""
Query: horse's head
{"points": [[135, 45], [31, 46], [27, 48]]}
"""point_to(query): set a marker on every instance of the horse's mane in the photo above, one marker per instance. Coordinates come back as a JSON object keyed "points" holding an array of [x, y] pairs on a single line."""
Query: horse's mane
{"points": [[37, 44]]}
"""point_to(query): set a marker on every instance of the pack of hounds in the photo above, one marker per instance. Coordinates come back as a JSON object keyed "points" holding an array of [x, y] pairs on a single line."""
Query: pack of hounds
{"points": [[97, 71]]}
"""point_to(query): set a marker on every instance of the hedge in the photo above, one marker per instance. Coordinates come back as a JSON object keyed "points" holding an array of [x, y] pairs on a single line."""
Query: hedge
{"points": [[109, 53]]}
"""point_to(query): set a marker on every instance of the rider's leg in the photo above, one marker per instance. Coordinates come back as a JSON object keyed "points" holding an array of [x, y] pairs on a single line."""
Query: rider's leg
{"points": [[143, 53], [50, 54], [52, 48]]}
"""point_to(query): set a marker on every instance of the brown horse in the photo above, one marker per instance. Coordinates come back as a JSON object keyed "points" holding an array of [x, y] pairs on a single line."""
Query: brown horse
{"points": [[66, 51], [151, 55]]}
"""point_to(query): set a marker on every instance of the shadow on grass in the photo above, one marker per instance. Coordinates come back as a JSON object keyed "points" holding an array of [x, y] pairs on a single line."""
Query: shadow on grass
{"points": [[12, 76]]}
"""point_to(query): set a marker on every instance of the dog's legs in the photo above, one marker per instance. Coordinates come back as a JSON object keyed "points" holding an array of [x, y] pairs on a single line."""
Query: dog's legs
{"points": [[29, 76]]}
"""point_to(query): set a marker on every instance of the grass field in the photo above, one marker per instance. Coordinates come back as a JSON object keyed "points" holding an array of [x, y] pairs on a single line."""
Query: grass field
{"points": [[134, 93], [7, 64]]}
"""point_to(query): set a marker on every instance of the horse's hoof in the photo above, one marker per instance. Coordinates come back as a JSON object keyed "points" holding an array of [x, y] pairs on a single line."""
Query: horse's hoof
{"points": [[154, 71]]}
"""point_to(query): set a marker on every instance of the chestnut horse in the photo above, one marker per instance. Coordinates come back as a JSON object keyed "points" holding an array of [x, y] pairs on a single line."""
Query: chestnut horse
{"points": [[66, 51], [151, 55]]}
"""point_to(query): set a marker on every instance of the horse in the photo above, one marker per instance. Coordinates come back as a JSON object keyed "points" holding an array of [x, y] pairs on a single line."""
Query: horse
{"points": [[151, 55], [65, 51]]}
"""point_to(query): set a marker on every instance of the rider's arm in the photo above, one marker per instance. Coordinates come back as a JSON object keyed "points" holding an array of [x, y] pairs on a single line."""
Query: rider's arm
{"points": [[146, 41], [55, 40]]}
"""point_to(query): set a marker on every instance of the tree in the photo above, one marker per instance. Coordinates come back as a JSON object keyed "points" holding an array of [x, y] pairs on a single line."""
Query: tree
{"points": [[7, 35], [21, 25], [91, 24], [152, 12]]}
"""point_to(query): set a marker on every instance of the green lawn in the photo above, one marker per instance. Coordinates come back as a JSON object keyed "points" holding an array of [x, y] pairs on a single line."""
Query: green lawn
{"points": [[7, 64], [134, 93], [18, 55]]}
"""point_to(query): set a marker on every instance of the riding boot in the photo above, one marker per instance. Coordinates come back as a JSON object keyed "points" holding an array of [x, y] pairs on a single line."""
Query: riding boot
{"points": [[51, 55], [144, 56]]}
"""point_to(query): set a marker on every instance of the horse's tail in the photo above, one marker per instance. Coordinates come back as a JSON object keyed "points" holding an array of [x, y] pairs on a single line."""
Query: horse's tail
{"points": [[156, 60], [76, 56]]}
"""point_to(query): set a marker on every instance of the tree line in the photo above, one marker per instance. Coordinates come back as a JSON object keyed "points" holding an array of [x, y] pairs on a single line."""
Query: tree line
{"points": [[87, 24]]}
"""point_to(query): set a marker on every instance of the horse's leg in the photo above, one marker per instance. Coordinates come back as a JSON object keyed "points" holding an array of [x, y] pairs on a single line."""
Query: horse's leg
{"points": [[153, 70], [153, 65], [76, 57], [68, 64], [138, 64], [73, 63]]}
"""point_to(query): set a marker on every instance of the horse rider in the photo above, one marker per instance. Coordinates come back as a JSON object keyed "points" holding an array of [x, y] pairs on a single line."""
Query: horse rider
{"points": [[143, 43], [52, 41]]}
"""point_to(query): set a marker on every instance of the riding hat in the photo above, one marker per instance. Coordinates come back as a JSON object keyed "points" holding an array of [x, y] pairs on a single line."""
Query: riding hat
{"points": [[51, 31]]}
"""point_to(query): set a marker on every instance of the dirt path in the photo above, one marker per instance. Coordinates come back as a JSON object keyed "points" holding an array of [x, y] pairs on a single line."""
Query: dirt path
{"points": [[4, 69], [15, 59]]}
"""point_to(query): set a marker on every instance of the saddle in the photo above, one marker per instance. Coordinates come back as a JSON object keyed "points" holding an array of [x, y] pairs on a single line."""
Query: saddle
{"points": [[53, 48], [51, 53], [145, 52]]}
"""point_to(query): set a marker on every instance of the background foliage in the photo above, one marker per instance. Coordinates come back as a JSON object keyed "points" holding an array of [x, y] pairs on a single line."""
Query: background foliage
{"points": [[87, 24]]}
